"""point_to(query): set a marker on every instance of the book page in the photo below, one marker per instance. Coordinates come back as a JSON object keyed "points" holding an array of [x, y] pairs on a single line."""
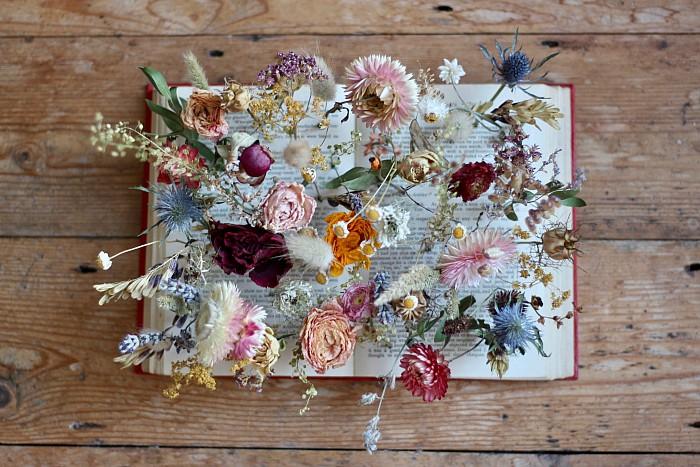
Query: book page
{"points": [[375, 360], [337, 133]]}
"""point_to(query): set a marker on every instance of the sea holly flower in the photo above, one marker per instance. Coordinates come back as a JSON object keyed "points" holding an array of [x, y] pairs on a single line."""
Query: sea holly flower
{"points": [[511, 66], [176, 208], [512, 328]]}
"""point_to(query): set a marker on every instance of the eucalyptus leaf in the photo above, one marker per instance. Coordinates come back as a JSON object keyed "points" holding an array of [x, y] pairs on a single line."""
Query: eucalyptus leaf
{"points": [[510, 213], [573, 202], [564, 194], [171, 119], [157, 80], [354, 173], [466, 303]]}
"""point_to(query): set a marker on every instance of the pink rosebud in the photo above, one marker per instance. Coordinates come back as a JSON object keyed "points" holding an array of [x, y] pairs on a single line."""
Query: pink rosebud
{"points": [[255, 160]]}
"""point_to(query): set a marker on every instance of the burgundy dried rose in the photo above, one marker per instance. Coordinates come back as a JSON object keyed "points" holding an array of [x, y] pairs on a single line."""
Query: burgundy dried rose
{"points": [[255, 160], [243, 248], [472, 180], [425, 372]]}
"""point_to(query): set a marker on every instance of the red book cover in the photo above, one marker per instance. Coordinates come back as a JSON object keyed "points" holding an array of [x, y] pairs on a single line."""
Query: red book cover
{"points": [[144, 226]]}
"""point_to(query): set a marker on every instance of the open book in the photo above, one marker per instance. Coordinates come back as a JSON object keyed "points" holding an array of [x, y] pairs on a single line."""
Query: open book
{"points": [[372, 360]]}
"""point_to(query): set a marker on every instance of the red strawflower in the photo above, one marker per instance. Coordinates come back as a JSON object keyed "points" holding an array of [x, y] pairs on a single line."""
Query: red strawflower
{"points": [[472, 180], [425, 372], [187, 153]]}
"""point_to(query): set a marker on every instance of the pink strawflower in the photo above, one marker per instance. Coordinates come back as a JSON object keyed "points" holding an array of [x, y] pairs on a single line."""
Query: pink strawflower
{"points": [[246, 331], [358, 301], [383, 95], [476, 256], [425, 372]]}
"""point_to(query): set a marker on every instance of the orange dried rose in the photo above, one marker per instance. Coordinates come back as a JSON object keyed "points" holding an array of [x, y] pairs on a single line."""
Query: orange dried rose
{"points": [[347, 250], [327, 337], [205, 115]]}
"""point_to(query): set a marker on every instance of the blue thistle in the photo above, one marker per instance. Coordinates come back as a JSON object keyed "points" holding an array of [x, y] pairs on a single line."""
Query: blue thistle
{"points": [[511, 66], [512, 328], [176, 208], [515, 68], [355, 202]]}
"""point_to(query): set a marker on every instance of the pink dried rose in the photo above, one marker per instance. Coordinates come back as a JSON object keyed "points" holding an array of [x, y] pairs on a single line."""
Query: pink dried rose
{"points": [[358, 301], [205, 115], [425, 372], [327, 337], [286, 207]]}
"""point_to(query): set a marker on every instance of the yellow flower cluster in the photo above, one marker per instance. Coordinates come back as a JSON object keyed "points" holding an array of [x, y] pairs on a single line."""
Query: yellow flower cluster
{"points": [[520, 233], [318, 159], [530, 268], [295, 113], [559, 299], [196, 374]]}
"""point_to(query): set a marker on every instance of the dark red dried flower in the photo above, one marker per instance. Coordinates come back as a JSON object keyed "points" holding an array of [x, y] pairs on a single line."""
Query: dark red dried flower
{"points": [[472, 180], [243, 248], [255, 160], [425, 372]]}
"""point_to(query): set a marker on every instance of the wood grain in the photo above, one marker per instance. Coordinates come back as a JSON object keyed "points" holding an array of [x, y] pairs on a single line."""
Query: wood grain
{"points": [[637, 115], [638, 388], [69, 456], [152, 17]]}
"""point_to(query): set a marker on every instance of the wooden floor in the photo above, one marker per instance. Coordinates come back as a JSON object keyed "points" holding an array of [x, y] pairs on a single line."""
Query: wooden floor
{"points": [[636, 67]]}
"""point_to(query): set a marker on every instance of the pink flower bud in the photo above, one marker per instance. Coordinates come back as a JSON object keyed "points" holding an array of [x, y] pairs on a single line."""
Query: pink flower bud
{"points": [[255, 160]]}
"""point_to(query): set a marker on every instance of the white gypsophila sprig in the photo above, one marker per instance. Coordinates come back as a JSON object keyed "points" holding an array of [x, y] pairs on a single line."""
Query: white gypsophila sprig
{"points": [[420, 277], [369, 398], [372, 435], [393, 225], [451, 71]]}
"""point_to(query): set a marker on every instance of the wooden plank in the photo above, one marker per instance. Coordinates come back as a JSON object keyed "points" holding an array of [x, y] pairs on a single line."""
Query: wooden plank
{"points": [[640, 370], [640, 159], [148, 17], [69, 456]]}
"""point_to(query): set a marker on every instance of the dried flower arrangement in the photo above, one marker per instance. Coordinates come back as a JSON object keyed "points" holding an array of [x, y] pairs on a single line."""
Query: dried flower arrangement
{"points": [[202, 162]]}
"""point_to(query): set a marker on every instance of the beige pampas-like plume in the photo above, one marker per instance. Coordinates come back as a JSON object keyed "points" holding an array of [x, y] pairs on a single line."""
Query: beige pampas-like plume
{"points": [[312, 251], [324, 89], [195, 71]]}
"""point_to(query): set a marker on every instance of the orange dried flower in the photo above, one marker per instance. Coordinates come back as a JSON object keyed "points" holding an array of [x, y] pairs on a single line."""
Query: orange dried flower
{"points": [[347, 250]]}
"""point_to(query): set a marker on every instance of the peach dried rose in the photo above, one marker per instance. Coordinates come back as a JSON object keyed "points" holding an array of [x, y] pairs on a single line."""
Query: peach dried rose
{"points": [[205, 115], [286, 207], [327, 337]]}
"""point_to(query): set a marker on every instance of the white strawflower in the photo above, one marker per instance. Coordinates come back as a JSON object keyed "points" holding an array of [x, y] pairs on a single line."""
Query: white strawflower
{"points": [[432, 110], [103, 261], [211, 327], [451, 71]]}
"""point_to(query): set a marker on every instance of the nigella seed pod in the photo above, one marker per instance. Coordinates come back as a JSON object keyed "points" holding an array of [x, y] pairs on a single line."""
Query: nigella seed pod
{"points": [[255, 160], [559, 244]]}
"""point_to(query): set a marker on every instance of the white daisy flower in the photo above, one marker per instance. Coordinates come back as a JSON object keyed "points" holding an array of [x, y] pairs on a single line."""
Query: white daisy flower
{"points": [[451, 71], [432, 110]]}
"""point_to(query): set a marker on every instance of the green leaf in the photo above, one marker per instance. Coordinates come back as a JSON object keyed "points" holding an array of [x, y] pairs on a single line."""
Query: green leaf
{"points": [[564, 194], [361, 183], [355, 172], [466, 303], [157, 80], [384, 170], [510, 213], [175, 103], [573, 202], [171, 119]]}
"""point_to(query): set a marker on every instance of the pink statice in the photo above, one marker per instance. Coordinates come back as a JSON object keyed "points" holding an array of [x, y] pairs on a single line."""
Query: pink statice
{"points": [[246, 331], [476, 256], [358, 301], [382, 94]]}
